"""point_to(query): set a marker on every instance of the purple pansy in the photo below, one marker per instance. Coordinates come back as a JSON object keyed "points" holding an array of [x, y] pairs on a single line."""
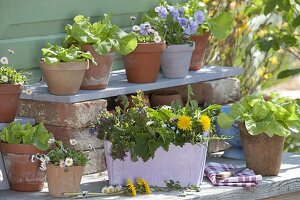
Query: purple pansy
{"points": [[191, 28], [174, 12], [162, 11], [199, 17], [183, 22], [144, 29], [181, 11]]}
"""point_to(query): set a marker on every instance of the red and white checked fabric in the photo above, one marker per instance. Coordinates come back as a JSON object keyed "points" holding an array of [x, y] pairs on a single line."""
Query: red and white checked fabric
{"points": [[246, 178]]}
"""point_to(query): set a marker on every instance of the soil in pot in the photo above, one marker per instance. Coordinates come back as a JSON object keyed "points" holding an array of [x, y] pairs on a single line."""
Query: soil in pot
{"points": [[165, 98], [97, 76], [199, 52], [142, 65], [262, 153], [23, 175], [176, 60], [9, 99], [64, 78], [61, 180]]}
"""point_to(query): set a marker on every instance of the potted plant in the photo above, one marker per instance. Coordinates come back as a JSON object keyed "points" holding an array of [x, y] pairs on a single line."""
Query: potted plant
{"points": [[64, 68], [10, 89], [146, 142], [263, 125], [18, 143], [64, 167], [142, 65], [219, 26], [102, 39]]}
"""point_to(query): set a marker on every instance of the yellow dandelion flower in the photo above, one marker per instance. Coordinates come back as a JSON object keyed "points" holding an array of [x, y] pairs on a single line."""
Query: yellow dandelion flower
{"points": [[205, 122], [184, 123], [146, 186], [130, 188], [139, 182]]}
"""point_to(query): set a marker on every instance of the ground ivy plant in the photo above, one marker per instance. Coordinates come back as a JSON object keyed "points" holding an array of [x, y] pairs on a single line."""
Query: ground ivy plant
{"points": [[17, 133], [142, 130], [261, 116], [103, 35], [54, 54]]}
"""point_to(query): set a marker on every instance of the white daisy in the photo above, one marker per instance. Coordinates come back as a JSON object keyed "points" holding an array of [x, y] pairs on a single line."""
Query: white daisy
{"points": [[28, 91], [73, 142], [152, 31], [157, 39], [4, 79], [156, 33], [111, 189], [51, 141], [10, 51], [118, 188], [135, 28], [4, 60], [69, 162], [43, 166], [147, 25], [104, 189], [62, 163], [47, 159]]}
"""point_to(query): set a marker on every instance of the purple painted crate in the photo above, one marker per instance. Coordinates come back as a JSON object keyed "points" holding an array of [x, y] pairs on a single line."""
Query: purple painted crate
{"points": [[184, 164]]}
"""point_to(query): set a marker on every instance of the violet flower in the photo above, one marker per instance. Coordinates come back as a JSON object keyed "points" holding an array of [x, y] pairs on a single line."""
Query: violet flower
{"points": [[174, 12], [143, 29], [162, 11], [199, 17], [183, 22], [181, 11]]}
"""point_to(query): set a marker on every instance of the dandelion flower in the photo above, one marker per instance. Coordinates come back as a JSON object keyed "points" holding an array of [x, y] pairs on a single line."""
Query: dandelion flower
{"points": [[135, 28], [146, 186], [130, 188], [62, 163], [104, 189], [4, 79], [73, 142], [4, 60], [69, 162], [28, 91], [51, 141], [157, 39], [184, 123], [139, 182], [205, 122], [111, 189]]}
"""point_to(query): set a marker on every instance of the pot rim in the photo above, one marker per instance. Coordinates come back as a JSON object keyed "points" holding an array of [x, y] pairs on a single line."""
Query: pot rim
{"points": [[61, 66], [19, 148], [180, 47]]}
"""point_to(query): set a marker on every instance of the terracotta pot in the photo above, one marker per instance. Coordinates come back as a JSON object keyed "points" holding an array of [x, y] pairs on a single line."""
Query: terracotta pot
{"points": [[64, 78], [165, 98], [9, 99], [142, 65], [61, 181], [23, 175], [262, 153], [131, 105], [199, 52], [97, 76], [176, 60]]}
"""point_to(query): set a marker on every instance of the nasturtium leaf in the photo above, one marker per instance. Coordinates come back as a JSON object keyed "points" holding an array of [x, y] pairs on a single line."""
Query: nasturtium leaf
{"points": [[284, 5], [225, 121], [221, 26], [270, 6]]}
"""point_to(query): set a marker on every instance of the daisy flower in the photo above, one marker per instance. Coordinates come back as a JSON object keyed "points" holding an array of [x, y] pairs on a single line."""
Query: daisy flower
{"points": [[62, 163], [73, 142], [118, 188], [28, 91], [51, 141], [4, 79], [157, 39], [104, 189], [4, 60], [69, 162], [135, 28]]}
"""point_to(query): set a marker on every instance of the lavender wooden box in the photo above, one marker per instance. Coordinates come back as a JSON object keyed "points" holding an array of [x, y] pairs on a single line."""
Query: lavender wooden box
{"points": [[184, 164]]}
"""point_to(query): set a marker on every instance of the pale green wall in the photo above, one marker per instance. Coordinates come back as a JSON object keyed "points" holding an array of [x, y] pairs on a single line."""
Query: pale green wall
{"points": [[27, 25]]}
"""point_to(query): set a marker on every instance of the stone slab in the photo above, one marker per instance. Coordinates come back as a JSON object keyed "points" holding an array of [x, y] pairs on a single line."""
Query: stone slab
{"points": [[96, 162], [76, 115], [119, 85], [3, 177], [22, 120], [286, 183]]}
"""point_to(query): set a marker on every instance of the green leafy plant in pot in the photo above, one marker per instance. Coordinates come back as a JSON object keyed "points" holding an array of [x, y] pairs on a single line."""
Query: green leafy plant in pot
{"points": [[142, 65], [18, 143], [11, 82], [64, 68], [102, 39], [64, 167], [219, 27], [263, 124]]}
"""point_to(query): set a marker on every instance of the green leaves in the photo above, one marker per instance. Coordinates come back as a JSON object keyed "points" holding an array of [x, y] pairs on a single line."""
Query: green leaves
{"points": [[221, 26], [55, 54], [288, 73], [282, 4], [225, 121], [17, 133]]}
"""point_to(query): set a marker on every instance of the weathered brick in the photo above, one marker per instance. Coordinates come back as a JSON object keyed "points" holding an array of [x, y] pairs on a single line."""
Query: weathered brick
{"points": [[84, 139], [221, 91], [97, 162], [76, 115]]}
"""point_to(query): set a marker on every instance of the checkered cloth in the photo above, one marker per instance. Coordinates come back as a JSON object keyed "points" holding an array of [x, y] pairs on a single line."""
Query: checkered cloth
{"points": [[246, 178]]}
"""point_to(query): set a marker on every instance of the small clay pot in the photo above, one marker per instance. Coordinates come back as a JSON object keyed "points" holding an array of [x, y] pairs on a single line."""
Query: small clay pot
{"points": [[165, 98], [262, 153], [97, 76], [142, 65], [199, 52], [64, 78], [176, 60], [61, 180], [9, 99], [23, 175]]}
